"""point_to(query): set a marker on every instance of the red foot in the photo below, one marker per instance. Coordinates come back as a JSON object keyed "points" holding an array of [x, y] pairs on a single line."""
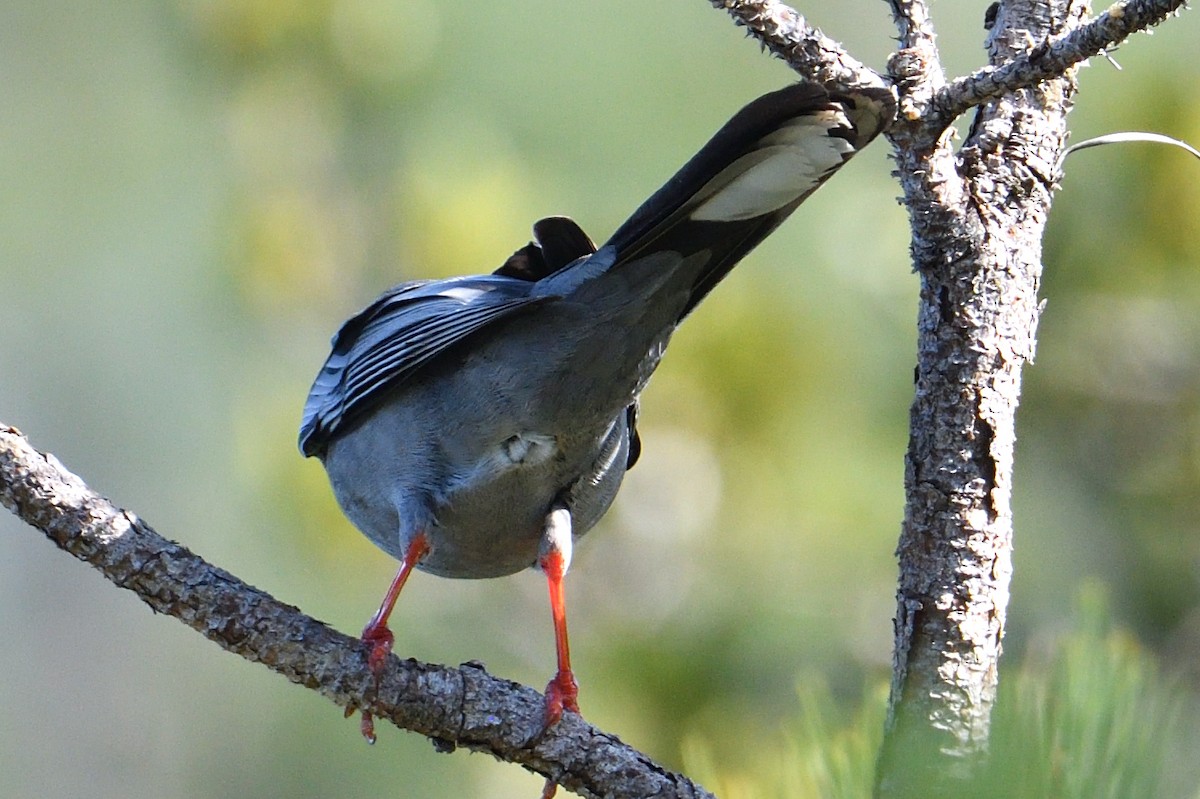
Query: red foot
{"points": [[380, 639], [377, 636], [562, 693], [367, 727]]}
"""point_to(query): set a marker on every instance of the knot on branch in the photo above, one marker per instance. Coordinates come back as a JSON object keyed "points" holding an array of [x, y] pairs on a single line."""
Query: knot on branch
{"points": [[912, 70]]}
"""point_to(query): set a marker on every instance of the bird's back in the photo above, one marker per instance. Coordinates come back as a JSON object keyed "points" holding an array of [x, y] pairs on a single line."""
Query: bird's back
{"points": [[467, 408]]}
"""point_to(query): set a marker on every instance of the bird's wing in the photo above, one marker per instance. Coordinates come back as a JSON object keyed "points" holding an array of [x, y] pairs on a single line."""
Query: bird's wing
{"points": [[749, 177], [753, 173], [390, 339]]}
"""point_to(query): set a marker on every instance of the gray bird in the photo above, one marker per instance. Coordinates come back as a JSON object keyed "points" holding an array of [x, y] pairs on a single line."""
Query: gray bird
{"points": [[477, 426]]}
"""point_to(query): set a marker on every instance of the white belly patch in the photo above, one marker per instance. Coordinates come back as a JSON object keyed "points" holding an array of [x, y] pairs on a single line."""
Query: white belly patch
{"points": [[526, 449]]}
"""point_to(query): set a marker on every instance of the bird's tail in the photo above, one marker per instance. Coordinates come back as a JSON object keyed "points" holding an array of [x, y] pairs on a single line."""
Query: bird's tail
{"points": [[749, 177]]}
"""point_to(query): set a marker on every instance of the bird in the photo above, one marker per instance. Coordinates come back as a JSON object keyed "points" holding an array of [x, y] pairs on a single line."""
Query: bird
{"points": [[477, 426]]}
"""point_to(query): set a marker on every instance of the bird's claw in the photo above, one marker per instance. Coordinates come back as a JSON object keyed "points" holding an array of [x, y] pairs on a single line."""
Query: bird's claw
{"points": [[380, 640], [562, 693]]}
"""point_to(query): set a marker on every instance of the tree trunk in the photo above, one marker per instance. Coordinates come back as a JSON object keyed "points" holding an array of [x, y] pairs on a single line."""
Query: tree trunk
{"points": [[977, 226]]}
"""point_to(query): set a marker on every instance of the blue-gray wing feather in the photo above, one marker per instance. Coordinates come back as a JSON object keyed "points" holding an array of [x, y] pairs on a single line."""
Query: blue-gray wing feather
{"points": [[385, 343]]}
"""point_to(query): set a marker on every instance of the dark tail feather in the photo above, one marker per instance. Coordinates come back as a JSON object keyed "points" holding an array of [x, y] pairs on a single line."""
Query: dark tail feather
{"points": [[751, 175], [558, 241]]}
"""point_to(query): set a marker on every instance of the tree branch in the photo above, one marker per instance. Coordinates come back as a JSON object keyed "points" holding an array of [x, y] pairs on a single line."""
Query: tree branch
{"points": [[916, 67], [915, 26], [462, 706], [1050, 59], [784, 32]]}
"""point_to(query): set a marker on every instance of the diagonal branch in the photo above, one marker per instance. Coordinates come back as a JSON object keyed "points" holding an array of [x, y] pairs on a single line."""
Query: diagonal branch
{"points": [[1051, 59], [462, 706], [783, 31]]}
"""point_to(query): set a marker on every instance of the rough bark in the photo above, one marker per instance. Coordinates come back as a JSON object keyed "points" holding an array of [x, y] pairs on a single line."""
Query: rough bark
{"points": [[977, 223], [977, 220], [454, 707]]}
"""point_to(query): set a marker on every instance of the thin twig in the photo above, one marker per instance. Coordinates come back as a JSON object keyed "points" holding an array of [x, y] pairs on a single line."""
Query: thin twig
{"points": [[1126, 137], [915, 26], [462, 706], [916, 67], [784, 32]]}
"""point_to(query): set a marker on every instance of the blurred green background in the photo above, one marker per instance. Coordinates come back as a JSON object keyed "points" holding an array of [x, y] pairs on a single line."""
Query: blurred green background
{"points": [[194, 194]]}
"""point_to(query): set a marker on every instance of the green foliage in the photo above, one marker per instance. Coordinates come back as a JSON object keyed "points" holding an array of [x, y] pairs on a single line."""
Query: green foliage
{"points": [[821, 752], [1096, 720], [1091, 717]]}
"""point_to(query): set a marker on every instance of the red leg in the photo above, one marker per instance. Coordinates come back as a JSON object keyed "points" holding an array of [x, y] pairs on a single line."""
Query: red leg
{"points": [[376, 633], [555, 558], [550, 789], [562, 692]]}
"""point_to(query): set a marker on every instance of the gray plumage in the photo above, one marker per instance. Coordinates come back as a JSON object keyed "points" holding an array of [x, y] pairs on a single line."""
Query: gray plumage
{"points": [[469, 408]]}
